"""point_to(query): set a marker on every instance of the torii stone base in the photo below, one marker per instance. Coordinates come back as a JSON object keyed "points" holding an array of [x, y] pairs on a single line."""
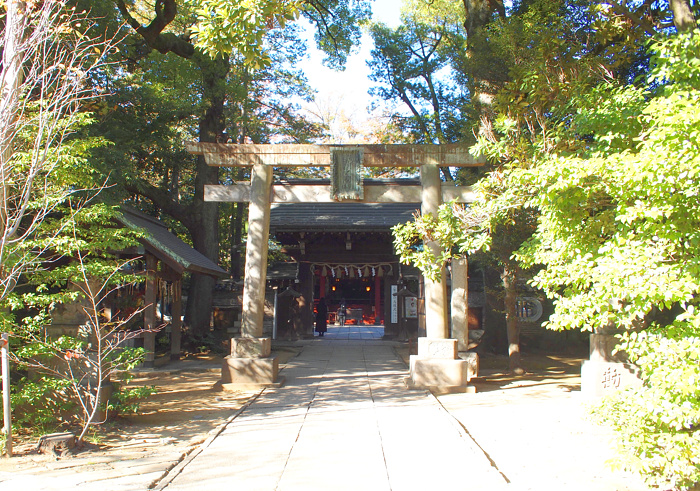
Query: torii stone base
{"points": [[438, 368], [250, 365]]}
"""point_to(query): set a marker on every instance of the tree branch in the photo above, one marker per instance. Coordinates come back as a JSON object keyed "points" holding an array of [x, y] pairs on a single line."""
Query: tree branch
{"points": [[153, 34], [163, 200], [639, 21]]}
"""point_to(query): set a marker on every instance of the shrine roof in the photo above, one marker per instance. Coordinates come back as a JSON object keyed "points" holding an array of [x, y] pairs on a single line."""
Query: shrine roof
{"points": [[166, 246], [366, 217]]}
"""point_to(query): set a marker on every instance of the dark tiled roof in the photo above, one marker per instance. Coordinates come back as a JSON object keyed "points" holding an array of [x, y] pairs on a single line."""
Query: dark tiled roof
{"points": [[340, 216], [167, 246]]}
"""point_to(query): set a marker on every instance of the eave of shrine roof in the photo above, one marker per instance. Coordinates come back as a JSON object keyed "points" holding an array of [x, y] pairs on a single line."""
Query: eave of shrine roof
{"points": [[166, 246], [336, 217]]}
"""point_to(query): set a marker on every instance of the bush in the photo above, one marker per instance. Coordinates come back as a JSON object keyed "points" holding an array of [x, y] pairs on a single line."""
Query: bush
{"points": [[659, 422]]}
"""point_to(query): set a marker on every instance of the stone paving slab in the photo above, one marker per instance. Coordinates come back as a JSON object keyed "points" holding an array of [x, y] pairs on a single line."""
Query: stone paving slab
{"points": [[349, 424], [541, 443], [345, 421]]}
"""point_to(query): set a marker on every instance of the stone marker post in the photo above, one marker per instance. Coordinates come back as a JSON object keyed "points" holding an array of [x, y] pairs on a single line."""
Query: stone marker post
{"points": [[606, 371]]}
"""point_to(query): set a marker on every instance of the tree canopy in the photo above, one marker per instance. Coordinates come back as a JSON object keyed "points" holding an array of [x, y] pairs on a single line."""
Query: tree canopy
{"points": [[592, 188]]}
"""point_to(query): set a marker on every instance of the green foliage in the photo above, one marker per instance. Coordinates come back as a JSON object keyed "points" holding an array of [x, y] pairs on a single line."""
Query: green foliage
{"points": [[41, 402], [618, 236], [445, 230], [411, 63], [595, 187], [79, 272], [224, 27], [659, 423], [627, 199], [127, 400]]}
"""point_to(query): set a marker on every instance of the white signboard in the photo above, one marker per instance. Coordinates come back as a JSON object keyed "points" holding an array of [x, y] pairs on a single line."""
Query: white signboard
{"points": [[394, 304], [411, 306]]}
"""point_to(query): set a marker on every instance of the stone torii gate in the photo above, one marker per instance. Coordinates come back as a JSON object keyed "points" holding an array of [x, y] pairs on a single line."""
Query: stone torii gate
{"points": [[437, 363]]}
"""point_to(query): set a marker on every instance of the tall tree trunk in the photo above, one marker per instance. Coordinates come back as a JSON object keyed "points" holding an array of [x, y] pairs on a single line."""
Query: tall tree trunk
{"points": [[478, 13], [509, 278], [200, 217], [485, 82], [12, 59], [205, 230], [683, 17]]}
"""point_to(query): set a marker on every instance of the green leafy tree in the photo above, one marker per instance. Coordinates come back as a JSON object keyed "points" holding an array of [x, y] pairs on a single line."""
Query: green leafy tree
{"points": [[46, 188], [607, 170], [66, 371], [211, 40], [407, 61], [556, 51], [46, 69], [618, 237]]}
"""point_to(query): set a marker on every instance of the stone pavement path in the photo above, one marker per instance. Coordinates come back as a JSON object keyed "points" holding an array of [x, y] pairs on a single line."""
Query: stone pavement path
{"points": [[127, 470], [354, 332], [342, 421]]}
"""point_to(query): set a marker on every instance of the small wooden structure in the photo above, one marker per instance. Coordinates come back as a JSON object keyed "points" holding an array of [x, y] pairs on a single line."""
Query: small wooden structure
{"points": [[167, 258]]}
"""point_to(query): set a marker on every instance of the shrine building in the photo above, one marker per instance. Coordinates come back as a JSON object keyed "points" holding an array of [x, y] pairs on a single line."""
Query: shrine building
{"points": [[344, 253]]}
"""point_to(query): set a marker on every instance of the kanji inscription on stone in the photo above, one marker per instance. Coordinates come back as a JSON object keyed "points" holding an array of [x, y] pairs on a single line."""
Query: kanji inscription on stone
{"points": [[611, 378]]}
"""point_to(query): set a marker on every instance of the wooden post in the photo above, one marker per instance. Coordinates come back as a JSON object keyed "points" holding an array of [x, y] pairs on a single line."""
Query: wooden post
{"points": [[149, 314], [176, 322], [435, 291], [306, 305], [256, 252], [322, 286], [7, 408], [378, 313]]}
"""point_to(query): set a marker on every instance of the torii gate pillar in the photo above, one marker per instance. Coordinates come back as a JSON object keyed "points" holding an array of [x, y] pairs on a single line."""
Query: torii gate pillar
{"points": [[435, 291], [437, 364], [250, 361]]}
